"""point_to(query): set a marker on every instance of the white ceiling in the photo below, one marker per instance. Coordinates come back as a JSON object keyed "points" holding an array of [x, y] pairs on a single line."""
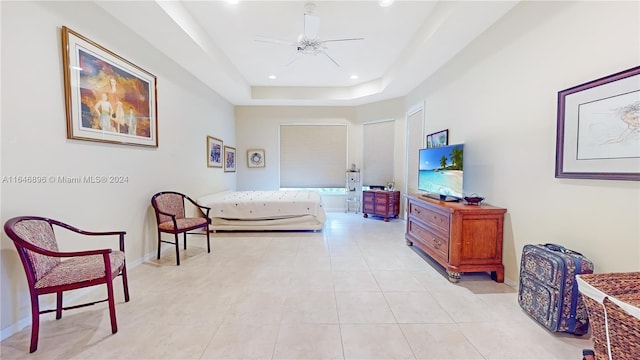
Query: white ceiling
{"points": [[216, 41]]}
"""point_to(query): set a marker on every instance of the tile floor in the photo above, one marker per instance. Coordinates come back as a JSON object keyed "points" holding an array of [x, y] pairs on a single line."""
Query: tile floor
{"points": [[352, 291]]}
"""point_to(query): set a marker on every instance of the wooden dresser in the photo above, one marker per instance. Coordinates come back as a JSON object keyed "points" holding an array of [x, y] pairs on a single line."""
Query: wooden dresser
{"points": [[381, 203], [460, 237]]}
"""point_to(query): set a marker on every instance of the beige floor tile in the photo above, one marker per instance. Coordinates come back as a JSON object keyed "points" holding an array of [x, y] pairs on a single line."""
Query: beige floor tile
{"points": [[363, 308], [355, 281], [311, 281], [416, 307], [308, 342], [439, 341], [375, 341], [257, 308], [397, 281], [242, 341], [349, 263], [310, 307], [522, 340]]}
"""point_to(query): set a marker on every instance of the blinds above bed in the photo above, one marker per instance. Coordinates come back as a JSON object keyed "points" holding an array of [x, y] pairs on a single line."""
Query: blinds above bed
{"points": [[312, 156]]}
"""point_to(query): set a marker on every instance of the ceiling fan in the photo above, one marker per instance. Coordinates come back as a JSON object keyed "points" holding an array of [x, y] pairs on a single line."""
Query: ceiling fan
{"points": [[308, 42]]}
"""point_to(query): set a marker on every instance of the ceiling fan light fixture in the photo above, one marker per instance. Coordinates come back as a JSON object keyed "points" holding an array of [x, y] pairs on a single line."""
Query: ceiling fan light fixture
{"points": [[353, 77], [385, 3], [272, 77]]}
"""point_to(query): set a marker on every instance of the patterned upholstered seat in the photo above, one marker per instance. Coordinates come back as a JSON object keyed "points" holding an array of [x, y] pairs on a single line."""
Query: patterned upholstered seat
{"points": [[48, 273], [170, 216]]}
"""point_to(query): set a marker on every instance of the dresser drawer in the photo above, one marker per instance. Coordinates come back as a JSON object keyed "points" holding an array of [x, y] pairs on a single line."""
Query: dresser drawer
{"points": [[430, 217], [436, 243]]}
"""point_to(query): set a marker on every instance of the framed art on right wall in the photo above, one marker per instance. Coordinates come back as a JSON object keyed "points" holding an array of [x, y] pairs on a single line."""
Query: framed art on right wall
{"points": [[438, 139], [598, 129]]}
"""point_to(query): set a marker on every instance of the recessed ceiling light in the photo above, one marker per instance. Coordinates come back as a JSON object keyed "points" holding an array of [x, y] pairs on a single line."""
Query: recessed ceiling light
{"points": [[272, 77], [353, 77], [385, 3]]}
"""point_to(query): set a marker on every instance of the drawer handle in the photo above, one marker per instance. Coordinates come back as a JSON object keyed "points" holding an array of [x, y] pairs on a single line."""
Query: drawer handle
{"points": [[417, 211]]}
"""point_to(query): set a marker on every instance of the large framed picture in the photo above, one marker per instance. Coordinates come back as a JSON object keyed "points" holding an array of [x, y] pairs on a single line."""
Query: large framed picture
{"points": [[108, 99], [214, 152], [598, 129], [229, 159], [255, 158], [438, 139]]}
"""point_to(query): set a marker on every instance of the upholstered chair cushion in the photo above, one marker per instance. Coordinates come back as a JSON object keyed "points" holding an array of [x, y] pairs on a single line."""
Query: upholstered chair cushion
{"points": [[82, 268], [182, 223], [39, 233], [172, 204]]}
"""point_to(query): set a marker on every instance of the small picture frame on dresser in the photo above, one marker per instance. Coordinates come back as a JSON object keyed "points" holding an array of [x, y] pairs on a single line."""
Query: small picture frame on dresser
{"points": [[391, 185]]}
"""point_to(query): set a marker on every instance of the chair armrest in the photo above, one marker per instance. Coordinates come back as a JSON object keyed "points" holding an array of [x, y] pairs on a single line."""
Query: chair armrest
{"points": [[46, 252], [92, 233], [198, 205]]}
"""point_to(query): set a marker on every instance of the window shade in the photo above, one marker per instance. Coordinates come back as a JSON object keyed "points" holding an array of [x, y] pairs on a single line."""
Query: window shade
{"points": [[378, 153], [313, 156]]}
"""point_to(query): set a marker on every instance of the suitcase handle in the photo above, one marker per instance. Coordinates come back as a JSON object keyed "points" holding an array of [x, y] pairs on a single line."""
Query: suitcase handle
{"points": [[560, 248]]}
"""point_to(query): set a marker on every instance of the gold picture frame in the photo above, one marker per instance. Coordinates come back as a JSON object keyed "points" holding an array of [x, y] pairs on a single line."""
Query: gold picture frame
{"points": [[229, 159], [214, 152], [391, 185], [108, 99]]}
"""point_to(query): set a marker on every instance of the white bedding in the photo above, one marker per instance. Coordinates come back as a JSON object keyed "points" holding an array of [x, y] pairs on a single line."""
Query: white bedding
{"points": [[265, 210]]}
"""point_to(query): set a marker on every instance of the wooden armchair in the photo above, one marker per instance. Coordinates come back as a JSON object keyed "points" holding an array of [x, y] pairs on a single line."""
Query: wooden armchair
{"points": [[47, 273], [170, 216]]}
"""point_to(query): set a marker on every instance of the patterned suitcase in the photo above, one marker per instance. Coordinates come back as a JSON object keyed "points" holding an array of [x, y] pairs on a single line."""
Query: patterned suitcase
{"points": [[548, 291]]}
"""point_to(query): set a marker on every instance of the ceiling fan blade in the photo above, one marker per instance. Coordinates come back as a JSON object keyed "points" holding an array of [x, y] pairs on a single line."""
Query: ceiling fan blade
{"points": [[334, 40], [329, 57], [311, 26], [295, 58], [274, 41]]}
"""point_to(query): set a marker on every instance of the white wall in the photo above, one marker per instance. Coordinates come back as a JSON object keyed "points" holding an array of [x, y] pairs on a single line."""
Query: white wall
{"points": [[499, 95], [34, 139]]}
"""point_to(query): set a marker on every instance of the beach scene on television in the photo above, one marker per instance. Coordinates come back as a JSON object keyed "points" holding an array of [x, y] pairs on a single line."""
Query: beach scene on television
{"points": [[440, 170]]}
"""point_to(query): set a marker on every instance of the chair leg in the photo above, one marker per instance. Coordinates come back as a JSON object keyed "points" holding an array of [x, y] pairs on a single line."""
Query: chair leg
{"points": [[206, 229], [125, 282], [159, 244], [185, 240], [112, 305], [58, 305], [177, 251], [35, 322]]}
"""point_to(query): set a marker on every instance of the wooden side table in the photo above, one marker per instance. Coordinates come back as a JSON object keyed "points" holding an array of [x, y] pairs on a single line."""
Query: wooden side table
{"points": [[381, 203]]}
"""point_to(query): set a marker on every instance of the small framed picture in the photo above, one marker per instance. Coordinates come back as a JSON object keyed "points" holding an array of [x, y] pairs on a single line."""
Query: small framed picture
{"points": [[438, 139], [255, 158], [391, 185], [214, 152], [229, 159]]}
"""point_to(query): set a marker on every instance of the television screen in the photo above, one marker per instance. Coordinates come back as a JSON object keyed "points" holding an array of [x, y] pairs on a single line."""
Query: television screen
{"points": [[440, 171]]}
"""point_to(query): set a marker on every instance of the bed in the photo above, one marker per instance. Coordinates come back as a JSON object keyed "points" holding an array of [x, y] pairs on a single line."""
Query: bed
{"points": [[264, 210]]}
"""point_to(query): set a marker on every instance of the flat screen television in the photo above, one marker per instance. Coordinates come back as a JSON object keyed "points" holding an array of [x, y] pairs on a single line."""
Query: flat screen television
{"points": [[440, 173]]}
